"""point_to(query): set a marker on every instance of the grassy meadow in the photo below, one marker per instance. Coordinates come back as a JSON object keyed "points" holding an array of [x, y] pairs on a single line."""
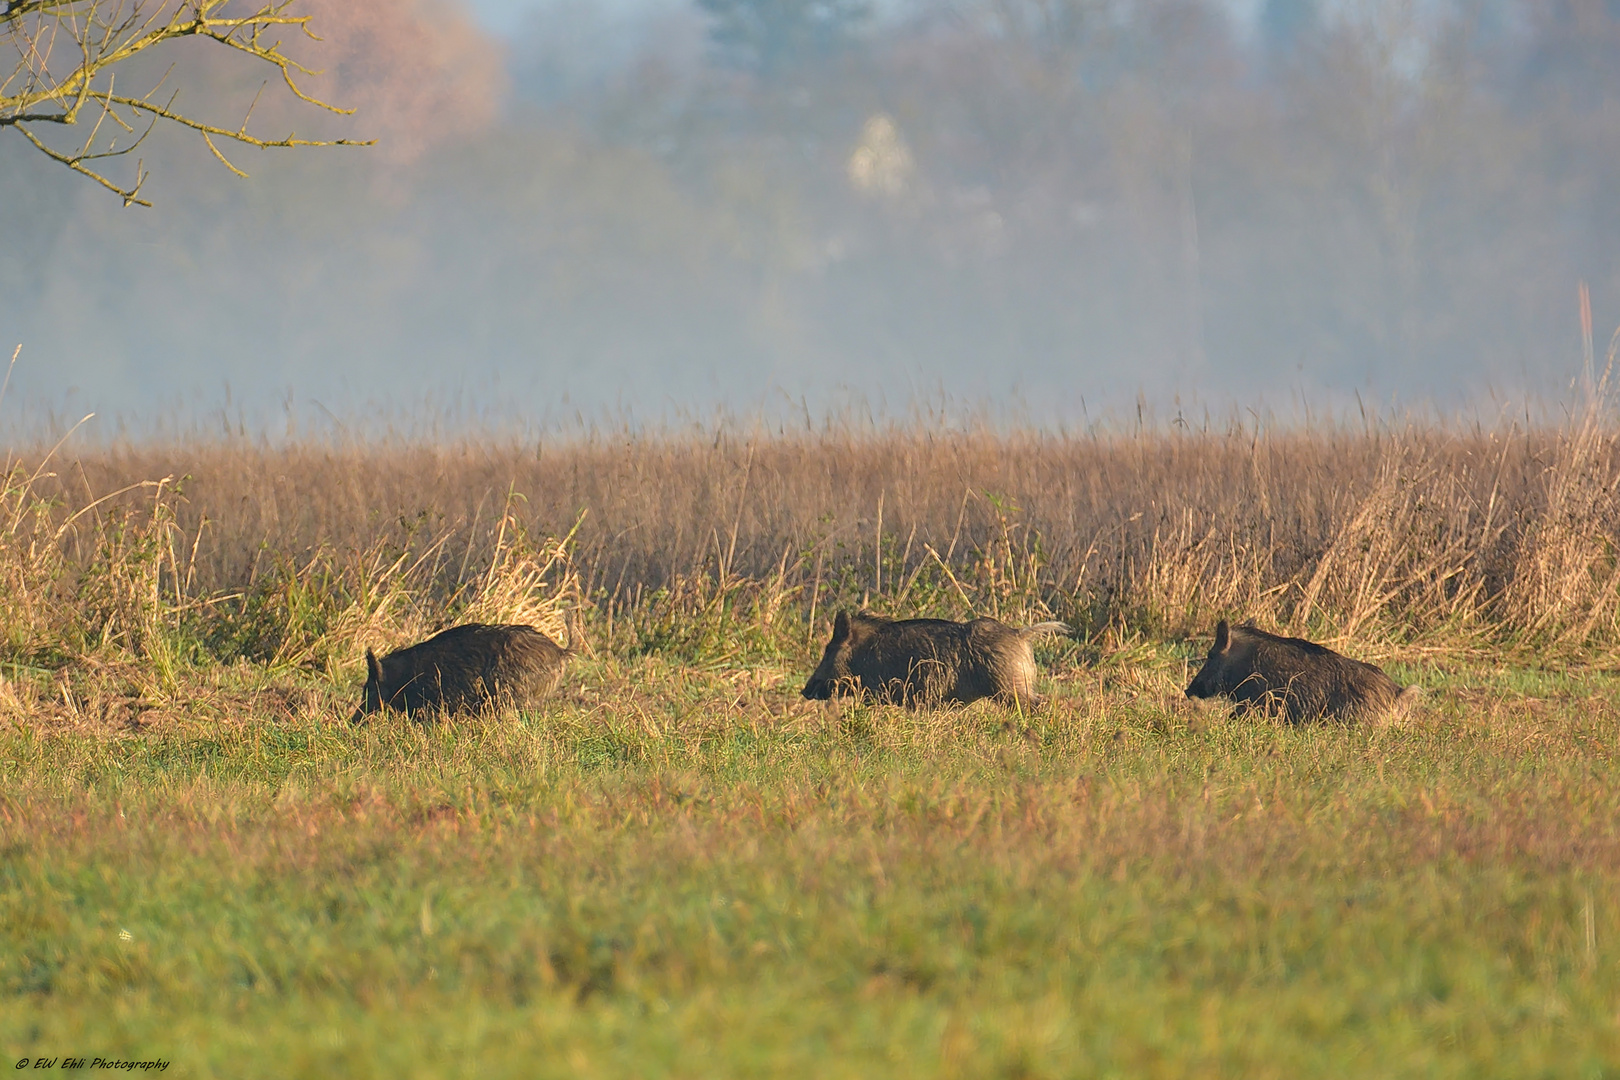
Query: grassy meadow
{"points": [[678, 867]]}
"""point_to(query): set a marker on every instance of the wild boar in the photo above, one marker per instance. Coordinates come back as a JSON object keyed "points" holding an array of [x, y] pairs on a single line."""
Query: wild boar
{"points": [[1297, 679], [465, 668], [928, 661]]}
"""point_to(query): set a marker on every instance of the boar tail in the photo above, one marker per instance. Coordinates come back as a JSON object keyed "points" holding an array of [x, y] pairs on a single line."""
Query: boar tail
{"points": [[574, 628], [1406, 701], [1053, 627]]}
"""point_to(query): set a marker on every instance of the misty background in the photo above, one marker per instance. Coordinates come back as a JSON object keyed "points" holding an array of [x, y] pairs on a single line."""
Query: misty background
{"points": [[1046, 209]]}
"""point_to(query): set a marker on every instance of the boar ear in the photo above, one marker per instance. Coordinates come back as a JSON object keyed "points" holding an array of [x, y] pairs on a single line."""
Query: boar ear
{"points": [[1223, 637], [373, 668], [841, 627]]}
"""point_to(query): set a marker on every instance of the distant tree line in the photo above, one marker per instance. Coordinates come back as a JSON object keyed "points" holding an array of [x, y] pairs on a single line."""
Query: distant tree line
{"points": [[1069, 199], [1382, 167]]}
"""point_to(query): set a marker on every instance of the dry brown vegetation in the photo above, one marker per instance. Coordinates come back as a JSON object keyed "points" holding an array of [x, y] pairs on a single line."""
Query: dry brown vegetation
{"points": [[1419, 536]]}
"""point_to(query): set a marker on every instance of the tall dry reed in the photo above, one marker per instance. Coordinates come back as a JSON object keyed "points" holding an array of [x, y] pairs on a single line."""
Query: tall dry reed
{"points": [[1423, 536]]}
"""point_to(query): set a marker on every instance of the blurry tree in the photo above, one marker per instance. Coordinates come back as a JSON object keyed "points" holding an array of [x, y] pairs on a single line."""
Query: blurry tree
{"points": [[1284, 22], [1056, 25], [1570, 53], [770, 35], [68, 54]]}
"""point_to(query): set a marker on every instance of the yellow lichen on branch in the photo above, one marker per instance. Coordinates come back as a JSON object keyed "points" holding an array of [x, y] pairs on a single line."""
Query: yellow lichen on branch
{"points": [[100, 35]]}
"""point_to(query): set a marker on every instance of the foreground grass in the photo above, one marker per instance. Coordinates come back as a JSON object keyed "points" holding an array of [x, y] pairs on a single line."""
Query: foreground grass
{"points": [[666, 873]]}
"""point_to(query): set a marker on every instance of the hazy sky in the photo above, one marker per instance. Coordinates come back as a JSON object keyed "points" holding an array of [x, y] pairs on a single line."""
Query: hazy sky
{"points": [[584, 210], [501, 16], [506, 17]]}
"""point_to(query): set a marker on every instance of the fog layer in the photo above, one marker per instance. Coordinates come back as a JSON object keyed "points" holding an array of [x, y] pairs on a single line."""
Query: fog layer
{"points": [[1042, 207]]}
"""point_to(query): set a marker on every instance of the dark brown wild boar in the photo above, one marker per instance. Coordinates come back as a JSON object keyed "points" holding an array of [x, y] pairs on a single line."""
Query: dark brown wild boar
{"points": [[1297, 679], [465, 668], [928, 661]]}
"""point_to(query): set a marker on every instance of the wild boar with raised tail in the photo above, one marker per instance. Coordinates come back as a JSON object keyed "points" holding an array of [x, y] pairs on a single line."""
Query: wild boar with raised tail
{"points": [[929, 661], [464, 669]]}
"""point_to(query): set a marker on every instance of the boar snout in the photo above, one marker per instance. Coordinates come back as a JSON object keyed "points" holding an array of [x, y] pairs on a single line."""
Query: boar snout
{"points": [[1206, 684], [834, 662], [816, 690], [371, 700]]}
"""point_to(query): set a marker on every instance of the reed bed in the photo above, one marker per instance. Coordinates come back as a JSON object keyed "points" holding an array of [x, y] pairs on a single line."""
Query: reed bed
{"points": [[1417, 537]]}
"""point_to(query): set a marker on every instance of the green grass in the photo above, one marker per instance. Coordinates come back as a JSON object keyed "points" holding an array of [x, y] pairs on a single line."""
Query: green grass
{"points": [[676, 873]]}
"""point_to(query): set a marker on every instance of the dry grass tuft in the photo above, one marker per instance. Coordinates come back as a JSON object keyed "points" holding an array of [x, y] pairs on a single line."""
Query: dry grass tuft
{"points": [[1565, 586]]}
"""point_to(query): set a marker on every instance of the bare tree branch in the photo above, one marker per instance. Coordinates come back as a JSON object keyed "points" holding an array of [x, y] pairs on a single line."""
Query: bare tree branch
{"points": [[106, 33]]}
